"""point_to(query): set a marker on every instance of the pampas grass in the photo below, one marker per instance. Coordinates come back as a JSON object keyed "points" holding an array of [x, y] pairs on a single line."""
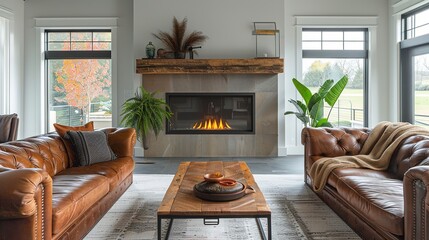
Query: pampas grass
{"points": [[176, 41]]}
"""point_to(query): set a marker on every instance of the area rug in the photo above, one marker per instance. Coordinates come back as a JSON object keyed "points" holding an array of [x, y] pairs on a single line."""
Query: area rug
{"points": [[297, 213]]}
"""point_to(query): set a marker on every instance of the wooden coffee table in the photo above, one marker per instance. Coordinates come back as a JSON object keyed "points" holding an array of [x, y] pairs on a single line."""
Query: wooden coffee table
{"points": [[180, 202]]}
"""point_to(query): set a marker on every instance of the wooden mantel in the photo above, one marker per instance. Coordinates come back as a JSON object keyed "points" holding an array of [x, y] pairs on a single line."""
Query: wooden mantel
{"points": [[210, 66]]}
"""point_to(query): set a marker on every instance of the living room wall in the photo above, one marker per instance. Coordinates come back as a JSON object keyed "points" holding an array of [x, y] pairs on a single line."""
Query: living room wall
{"points": [[228, 24], [33, 121], [379, 98], [225, 32], [15, 10]]}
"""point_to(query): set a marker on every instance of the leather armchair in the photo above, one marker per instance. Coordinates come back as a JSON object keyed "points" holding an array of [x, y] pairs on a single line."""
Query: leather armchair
{"points": [[8, 127]]}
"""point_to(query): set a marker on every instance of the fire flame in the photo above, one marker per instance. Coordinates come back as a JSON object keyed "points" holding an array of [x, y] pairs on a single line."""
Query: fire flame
{"points": [[211, 124]]}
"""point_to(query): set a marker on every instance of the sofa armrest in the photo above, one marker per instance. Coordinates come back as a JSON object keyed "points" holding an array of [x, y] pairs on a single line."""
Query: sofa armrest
{"points": [[331, 142], [416, 203], [25, 204], [122, 141]]}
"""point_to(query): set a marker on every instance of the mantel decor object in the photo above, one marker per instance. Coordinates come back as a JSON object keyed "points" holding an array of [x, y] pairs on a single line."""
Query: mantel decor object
{"points": [[178, 42], [150, 50], [267, 39]]}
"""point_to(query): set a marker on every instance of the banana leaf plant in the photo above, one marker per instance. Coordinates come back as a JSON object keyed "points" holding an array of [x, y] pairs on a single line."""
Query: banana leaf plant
{"points": [[145, 113], [310, 110]]}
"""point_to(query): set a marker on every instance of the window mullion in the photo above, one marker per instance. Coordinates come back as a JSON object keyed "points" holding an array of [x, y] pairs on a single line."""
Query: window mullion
{"points": [[77, 55], [334, 53]]}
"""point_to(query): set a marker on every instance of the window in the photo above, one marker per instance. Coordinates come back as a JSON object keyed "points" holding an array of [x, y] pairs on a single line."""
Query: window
{"points": [[78, 67], [331, 54], [415, 67], [415, 23], [4, 65]]}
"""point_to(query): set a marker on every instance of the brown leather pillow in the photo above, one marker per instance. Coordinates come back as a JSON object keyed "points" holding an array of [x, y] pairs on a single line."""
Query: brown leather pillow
{"points": [[62, 131]]}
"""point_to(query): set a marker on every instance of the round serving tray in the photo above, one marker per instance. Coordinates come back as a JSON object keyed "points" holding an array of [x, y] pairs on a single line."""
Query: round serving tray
{"points": [[216, 192]]}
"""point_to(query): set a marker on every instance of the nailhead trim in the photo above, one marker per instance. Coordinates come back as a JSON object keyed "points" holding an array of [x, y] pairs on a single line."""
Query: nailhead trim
{"points": [[414, 208]]}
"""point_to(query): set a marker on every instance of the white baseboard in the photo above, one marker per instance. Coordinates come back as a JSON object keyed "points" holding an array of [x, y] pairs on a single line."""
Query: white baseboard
{"points": [[282, 151], [295, 150]]}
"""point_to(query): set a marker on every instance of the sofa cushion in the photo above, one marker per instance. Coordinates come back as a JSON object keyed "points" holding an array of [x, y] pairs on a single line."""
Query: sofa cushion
{"points": [[90, 147], [73, 195], [62, 131], [342, 172], [115, 171], [379, 200]]}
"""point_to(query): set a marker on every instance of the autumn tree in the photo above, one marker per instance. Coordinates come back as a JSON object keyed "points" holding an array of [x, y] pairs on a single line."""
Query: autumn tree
{"points": [[82, 81]]}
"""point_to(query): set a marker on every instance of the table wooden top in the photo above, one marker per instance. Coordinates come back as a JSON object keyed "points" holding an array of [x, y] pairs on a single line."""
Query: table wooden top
{"points": [[179, 200]]}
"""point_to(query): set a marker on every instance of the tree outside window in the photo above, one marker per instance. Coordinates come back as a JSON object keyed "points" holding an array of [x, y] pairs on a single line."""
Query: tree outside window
{"points": [[79, 77]]}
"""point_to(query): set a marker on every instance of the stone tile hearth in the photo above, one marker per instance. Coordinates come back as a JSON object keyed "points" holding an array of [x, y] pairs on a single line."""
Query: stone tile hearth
{"points": [[263, 143]]}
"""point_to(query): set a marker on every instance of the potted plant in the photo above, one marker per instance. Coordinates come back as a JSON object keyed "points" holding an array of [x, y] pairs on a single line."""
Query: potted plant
{"points": [[145, 113], [310, 112], [177, 42]]}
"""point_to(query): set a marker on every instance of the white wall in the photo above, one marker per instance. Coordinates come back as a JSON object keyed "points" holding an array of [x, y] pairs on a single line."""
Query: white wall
{"points": [[228, 24], [396, 8], [123, 9], [379, 98], [16, 7]]}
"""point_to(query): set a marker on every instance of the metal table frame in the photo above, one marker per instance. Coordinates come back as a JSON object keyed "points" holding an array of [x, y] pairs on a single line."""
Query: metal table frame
{"points": [[214, 220]]}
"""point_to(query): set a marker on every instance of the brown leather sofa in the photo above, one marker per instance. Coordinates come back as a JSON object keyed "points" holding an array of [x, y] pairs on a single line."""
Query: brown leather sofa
{"points": [[390, 204], [42, 194]]}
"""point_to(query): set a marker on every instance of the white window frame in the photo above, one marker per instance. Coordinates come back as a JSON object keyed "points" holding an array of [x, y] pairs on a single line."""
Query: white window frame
{"points": [[43, 24], [369, 22], [6, 32]]}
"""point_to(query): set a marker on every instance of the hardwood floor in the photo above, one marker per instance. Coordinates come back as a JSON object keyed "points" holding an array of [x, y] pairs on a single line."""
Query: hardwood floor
{"points": [[277, 165]]}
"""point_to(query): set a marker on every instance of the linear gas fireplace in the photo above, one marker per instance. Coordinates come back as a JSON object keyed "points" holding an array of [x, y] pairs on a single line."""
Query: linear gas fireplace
{"points": [[211, 113]]}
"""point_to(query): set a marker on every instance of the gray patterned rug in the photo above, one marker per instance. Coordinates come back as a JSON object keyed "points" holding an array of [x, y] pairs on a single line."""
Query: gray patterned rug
{"points": [[297, 213]]}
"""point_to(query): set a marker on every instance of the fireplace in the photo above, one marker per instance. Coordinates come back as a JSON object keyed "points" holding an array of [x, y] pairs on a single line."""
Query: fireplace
{"points": [[257, 138], [211, 113]]}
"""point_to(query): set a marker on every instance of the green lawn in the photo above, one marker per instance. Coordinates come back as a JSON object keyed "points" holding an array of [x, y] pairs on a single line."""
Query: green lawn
{"points": [[353, 99]]}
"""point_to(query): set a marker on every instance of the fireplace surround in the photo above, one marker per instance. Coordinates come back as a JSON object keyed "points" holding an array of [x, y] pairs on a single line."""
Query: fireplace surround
{"points": [[211, 113]]}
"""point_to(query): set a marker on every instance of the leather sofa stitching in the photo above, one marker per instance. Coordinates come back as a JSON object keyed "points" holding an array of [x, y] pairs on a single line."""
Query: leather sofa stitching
{"points": [[35, 219], [43, 211], [414, 208], [424, 218]]}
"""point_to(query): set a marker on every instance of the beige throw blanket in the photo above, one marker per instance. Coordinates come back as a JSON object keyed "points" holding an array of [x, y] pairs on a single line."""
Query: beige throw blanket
{"points": [[375, 153]]}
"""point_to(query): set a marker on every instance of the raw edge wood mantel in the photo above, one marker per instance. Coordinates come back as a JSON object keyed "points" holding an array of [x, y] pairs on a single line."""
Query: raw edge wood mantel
{"points": [[210, 66]]}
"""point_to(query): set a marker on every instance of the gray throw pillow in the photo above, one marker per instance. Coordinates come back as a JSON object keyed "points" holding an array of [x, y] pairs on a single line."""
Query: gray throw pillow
{"points": [[91, 147]]}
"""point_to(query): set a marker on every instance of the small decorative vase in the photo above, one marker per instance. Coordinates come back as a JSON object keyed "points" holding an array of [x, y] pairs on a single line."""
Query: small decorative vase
{"points": [[150, 50]]}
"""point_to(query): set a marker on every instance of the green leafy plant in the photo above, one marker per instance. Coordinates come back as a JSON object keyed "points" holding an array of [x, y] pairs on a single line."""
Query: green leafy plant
{"points": [[310, 112], [145, 113]]}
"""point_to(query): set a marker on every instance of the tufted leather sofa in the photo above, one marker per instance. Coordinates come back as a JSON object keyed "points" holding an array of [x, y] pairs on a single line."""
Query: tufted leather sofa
{"points": [[45, 195], [390, 204]]}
